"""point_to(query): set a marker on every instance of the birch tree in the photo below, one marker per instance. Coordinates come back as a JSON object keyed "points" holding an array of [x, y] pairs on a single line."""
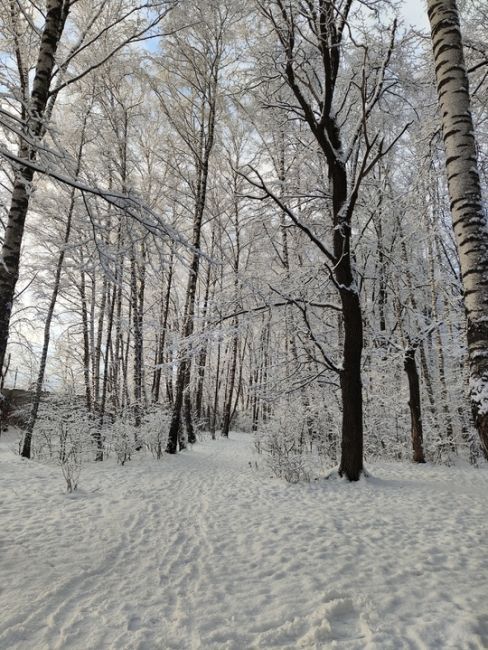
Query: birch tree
{"points": [[467, 211]]}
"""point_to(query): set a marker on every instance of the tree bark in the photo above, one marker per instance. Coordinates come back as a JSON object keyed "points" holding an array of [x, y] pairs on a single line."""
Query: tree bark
{"points": [[327, 21], [106, 366]]}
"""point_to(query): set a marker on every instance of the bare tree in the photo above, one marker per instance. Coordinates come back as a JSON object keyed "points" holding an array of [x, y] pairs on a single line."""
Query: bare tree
{"points": [[198, 57], [311, 37]]}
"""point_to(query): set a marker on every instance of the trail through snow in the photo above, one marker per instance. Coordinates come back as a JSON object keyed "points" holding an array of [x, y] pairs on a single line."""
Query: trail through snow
{"points": [[200, 551]]}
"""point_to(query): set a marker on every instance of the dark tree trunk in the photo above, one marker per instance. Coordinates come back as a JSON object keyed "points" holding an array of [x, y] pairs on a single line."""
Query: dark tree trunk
{"points": [[137, 299], [227, 411], [202, 357], [55, 18], [351, 464], [213, 425], [175, 433], [414, 404], [97, 351], [327, 22]]}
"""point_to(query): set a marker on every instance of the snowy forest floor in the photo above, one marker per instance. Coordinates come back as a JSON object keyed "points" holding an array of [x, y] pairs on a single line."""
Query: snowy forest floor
{"points": [[201, 551]]}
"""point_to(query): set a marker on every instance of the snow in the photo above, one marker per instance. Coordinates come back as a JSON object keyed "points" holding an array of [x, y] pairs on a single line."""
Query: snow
{"points": [[478, 390], [203, 551]]}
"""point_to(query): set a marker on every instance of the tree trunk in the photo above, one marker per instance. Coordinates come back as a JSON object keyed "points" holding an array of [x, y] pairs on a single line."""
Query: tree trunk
{"points": [[227, 412], [202, 357], [351, 464], [414, 404], [137, 298], [55, 18], [117, 357], [213, 426], [468, 216]]}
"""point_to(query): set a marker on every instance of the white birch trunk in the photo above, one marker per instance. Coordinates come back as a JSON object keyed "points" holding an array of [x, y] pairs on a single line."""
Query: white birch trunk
{"points": [[468, 217]]}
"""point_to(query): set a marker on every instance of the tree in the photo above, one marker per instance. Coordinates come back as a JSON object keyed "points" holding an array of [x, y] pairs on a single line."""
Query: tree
{"points": [[468, 215], [311, 38], [198, 56], [117, 28], [33, 127]]}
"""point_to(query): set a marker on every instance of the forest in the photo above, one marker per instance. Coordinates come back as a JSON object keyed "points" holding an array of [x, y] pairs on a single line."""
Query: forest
{"points": [[243, 230]]}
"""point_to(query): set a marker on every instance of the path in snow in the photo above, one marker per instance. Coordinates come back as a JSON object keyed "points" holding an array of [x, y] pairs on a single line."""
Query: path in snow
{"points": [[199, 551]]}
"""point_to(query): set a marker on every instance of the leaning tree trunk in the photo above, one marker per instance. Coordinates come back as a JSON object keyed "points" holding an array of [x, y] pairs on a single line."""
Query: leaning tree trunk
{"points": [[414, 404], [468, 216], [55, 18]]}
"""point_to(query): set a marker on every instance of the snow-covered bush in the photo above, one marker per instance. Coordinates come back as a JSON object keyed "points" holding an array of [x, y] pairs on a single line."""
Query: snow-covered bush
{"points": [[63, 435], [154, 431], [284, 457], [289, 443], [123, 440], [61, 420], [71, 450]]}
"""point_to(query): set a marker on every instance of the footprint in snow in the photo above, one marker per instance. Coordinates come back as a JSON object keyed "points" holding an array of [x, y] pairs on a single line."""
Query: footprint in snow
{"points": [[134, 623]]}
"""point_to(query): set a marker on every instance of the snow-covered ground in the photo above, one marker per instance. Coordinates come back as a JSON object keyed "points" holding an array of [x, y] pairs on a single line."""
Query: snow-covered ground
{"points": [[202, 551]]}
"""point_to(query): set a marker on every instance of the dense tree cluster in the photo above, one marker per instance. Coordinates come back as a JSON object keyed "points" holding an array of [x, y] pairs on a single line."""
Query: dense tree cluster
{"points": [[222, 213]]}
